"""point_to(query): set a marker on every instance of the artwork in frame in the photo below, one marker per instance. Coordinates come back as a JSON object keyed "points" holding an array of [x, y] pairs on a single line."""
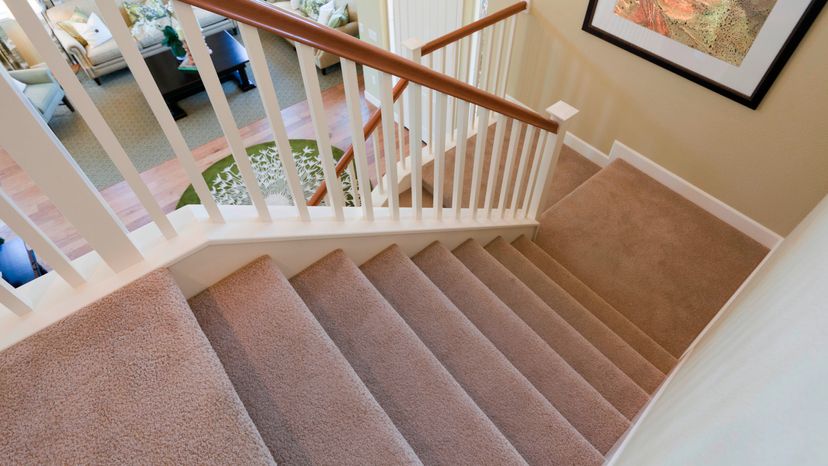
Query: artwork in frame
{"points": [[734, 47]]}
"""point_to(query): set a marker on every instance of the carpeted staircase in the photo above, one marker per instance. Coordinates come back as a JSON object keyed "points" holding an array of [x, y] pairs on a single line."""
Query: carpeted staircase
{"points": [[529, 352]]}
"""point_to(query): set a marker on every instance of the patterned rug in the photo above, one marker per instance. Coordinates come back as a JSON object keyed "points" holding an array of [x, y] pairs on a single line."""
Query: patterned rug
{"points": [[122, 104], [227, 186]]}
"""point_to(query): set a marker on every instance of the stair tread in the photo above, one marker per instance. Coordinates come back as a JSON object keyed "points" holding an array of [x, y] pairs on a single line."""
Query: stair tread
{"points": [[536, 429], [307, 401], [440, 421], [619, 323], [130, 376], [662, 261], [593, 416], [599, 335], [599, 371]]}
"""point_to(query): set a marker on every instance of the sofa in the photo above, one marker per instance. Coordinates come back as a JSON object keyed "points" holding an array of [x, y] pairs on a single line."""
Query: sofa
{"points": [[106, 58], [325, 60], [42, 90]]}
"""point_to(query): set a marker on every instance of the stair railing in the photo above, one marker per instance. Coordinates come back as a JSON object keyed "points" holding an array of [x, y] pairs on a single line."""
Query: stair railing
{"points": [[487, 77], [35, 148]]}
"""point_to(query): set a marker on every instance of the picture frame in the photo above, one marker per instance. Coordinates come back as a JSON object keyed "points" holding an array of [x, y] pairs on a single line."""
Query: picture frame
{"points": [[743, 72]]}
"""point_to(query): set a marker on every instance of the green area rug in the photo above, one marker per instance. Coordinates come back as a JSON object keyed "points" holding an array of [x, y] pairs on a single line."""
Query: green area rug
{"points": [[227, 186]]}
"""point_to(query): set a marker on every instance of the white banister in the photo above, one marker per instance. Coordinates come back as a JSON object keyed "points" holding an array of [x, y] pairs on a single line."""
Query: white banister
{"points": [[524, 158], [460, 156], [13, 301], [501, 91], [209, 76], [36, 149], [320, 123], [387, 109], [85, 106], [270, 102], [514, 136], [494, 164], [439, 155], [415, 122], [479, 151], [111, 15], [351, 84], [563, 114], [34, 237], [533, 173]]}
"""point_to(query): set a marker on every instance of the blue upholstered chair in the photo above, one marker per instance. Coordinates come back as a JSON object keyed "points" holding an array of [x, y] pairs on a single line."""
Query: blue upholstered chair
{"points": [[42, 90]]}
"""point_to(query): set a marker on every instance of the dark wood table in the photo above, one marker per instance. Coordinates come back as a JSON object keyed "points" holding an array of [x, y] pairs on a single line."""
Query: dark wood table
{"points": [[229, 58]]}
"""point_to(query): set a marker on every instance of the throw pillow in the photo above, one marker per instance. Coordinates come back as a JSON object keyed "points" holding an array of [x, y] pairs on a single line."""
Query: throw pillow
{"points": [[94, 31], [140, 11], [78, 16], [311, 8], [295, 4], [18, 85], [339, 17], [325, 13]]}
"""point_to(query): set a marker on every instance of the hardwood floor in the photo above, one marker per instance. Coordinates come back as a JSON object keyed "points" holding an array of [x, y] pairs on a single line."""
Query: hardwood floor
{"points": [[168, 180]]}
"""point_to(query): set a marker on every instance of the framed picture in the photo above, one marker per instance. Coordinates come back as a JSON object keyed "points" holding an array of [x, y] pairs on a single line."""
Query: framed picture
{"points": [[734, 47]]}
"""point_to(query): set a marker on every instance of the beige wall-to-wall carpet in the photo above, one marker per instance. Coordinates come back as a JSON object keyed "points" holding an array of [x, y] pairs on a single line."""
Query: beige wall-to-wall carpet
{"points": [[122, 104], [769, 163]]}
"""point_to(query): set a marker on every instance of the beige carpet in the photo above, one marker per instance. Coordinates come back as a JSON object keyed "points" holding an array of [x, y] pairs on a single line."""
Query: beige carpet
{"points": [[660, 260], [304, 397], [536, 429], [432, 411], [592, 415], [130, 379]]}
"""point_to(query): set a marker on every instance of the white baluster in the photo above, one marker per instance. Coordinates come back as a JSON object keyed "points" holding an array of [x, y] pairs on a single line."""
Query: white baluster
{"points": [[34, 237], [377, 153], [401, 127], [85, 106], [439, 154], [111, 15], [533, 173], [477, 168], [460, 156], [415, 123], [563, 114], [13, 301], [474, 69], [387, 106], [353, 188], [508, 62], [270, 101], [487, 52], [351, 84], [494, 82], [514, 136], [524, 157], [494, 164], [430, 108], [320, 123], [209, 77], [36, 149]]}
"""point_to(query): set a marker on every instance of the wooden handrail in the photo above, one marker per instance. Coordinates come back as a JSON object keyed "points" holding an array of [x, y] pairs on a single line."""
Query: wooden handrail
{"points": [[428, 48], [268, 17], [348, 156], [471, 28]]}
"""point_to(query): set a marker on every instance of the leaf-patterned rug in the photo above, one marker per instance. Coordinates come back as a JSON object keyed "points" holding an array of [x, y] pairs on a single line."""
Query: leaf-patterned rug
{"points": [[227, 187]]}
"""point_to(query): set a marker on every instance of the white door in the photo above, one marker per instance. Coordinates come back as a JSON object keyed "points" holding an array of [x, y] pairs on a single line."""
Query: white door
{"points": [[425, 20]]}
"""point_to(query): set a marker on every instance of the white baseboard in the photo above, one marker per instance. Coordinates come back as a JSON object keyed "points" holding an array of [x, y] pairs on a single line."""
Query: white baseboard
{"points": [[682, 187], [371, 99], [591, 153]]}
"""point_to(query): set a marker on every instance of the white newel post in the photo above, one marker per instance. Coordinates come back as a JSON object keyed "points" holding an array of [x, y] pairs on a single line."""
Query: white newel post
{"points": [[415, 136], [563, 113]]}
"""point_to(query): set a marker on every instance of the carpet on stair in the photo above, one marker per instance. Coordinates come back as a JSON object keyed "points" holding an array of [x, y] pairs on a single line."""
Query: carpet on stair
{"points": [[592, 415], [619, 323], [662, 261], [599, 335], [436, 416], [536, 429], [128, 379], [599, 371], [307, 402]]}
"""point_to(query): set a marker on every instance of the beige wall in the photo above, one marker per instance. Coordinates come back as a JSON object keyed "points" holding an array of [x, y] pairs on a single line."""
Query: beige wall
{"points": [[771, 164], [752, 392], [373, 15]]}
